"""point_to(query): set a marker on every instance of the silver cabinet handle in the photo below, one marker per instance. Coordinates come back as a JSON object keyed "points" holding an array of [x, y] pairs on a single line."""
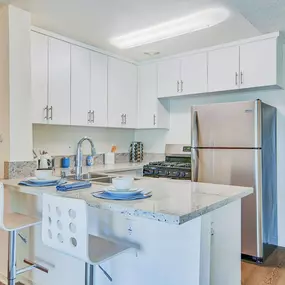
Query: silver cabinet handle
{"points": [[122, 119], [154, 119], [125, 119], [236, 77], [241, 77], [46, 111], [88, 116], [181, 85], [178, 86], [93, 116], [51, 113]]}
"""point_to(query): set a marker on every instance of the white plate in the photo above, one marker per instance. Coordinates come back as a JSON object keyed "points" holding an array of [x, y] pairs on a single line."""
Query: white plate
{"points": [[114, 191], [51, 179]]}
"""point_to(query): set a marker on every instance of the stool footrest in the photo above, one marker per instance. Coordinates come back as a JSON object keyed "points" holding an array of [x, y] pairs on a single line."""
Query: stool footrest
{"points": [[35, 265]]}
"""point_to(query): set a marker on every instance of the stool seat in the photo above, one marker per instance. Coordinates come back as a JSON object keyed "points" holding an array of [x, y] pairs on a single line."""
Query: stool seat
{"points": [[15, 221], [101, 249], [65, 228]]}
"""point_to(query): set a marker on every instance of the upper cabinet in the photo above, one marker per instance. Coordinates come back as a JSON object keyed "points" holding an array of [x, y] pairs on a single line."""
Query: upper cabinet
{"points": [[50, 68], [59, 82], [184, 76], [39, 78], [122, 94], [88, 88], [260, 64], [152, 113], [223, 69], [168, 78], [194, 74], [249, 65], [80, 86]]}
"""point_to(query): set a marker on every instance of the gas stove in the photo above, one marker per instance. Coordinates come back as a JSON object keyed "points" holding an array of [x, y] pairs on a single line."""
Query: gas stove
{"points": [[177, 164]]}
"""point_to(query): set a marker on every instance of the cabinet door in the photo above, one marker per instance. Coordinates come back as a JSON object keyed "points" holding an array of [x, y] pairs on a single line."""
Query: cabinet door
{"points": [[122, 93], [80, 86], [147, 97], [59, 82], [169, 78], [39, 77], [258, 64], [99, 87], [194, 74], [223, 69]]}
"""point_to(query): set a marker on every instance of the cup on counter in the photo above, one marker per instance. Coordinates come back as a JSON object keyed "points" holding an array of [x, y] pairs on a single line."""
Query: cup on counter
{"points": [[123, 183]]}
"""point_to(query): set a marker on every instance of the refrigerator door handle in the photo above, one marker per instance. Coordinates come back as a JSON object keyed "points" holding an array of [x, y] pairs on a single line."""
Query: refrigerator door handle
{"points": [[195, 130], [195, 144], [195, 164]]}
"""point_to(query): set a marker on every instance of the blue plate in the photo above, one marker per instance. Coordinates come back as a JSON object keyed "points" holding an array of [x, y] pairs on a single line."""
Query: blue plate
{"points": [[109, 196]]}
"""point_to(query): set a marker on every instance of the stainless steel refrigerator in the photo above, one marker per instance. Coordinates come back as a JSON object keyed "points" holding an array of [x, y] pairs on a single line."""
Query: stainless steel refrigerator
{"points": [[235, 144]]}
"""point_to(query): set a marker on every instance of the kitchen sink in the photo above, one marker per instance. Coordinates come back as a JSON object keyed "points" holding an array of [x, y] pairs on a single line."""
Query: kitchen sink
{"points": [[96, 177], [88, 176]]}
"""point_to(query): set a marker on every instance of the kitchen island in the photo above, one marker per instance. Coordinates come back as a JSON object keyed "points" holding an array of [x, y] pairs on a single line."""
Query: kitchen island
{"points": [[187, 233]]}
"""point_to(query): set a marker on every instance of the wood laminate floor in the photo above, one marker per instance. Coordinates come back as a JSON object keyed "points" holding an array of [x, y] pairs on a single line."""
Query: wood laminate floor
{"points": [[272, 272]]}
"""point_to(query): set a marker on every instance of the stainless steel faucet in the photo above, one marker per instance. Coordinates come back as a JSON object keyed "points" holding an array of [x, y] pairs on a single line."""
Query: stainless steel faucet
{"points": [[79, 157]]}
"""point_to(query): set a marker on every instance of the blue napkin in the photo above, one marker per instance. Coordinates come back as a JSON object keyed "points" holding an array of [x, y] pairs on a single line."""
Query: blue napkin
{"points": [[74, 186], [108, 196], [37, 183]]}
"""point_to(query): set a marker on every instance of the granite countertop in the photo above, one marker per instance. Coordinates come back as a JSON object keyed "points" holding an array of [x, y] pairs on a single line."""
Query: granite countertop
{"points": [[173, 201]]}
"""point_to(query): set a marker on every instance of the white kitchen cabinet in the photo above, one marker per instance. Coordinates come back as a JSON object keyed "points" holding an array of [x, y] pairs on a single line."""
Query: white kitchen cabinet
{"points": [[194, 74], [259, 64], [183, 76], [122, 94], [98, 89], [80, 86], [152, 113], [39, 77], [168, 78], [88, 88], [223, 69], [59, 82], [50, 69]]}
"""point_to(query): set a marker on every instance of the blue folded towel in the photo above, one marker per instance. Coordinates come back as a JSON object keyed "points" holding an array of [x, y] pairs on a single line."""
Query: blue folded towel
{"points": [[34, 183], [108, 196], [74, 186]]}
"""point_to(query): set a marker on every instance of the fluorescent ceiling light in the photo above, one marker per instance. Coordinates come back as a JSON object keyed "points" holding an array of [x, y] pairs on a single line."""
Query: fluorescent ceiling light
{"points": [[177, 27]]}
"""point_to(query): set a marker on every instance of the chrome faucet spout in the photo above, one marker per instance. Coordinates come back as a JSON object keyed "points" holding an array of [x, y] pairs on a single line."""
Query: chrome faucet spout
{"points": [[79, 156]]}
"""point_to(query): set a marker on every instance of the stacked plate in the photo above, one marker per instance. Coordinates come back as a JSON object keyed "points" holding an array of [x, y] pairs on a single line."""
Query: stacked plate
{"points": [[35, 182], [111, 193]]}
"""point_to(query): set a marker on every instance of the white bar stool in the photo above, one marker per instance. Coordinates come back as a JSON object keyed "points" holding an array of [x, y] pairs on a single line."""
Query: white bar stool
{"points": [[13, 222], [65, 228]]}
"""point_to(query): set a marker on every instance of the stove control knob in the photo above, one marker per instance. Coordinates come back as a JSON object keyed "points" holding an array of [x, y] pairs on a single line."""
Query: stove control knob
{"points": [[177, 174], [156, 172], [182, 174], [148, 171], [167, 173]]}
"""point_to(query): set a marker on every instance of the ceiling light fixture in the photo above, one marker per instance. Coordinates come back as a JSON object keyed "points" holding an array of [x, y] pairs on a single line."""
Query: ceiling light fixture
{"points": [[177, 27]]}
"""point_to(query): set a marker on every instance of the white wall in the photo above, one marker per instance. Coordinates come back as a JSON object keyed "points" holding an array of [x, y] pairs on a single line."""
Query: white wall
{"points": [[180, 125], [62, 140]]}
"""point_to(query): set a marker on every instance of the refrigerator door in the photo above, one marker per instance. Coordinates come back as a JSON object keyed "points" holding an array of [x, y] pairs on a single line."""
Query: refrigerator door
{"points": [[239, 167], [227, 125]]}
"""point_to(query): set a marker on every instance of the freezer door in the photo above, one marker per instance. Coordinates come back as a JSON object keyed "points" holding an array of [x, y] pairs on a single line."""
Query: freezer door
{"points": [[233, 125], [235, 167]]}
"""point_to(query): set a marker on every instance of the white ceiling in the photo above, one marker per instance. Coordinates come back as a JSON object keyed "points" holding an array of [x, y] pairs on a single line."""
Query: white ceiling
{"points": [[96, 21]]}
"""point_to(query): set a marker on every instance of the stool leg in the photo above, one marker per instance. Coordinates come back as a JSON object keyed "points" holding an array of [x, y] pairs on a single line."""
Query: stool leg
{"points": [[12, 258], [89, 274]]}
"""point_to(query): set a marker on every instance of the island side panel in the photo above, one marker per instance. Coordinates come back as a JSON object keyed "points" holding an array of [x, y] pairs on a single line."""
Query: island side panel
{"points": [[168, 254], [226, 245]]}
